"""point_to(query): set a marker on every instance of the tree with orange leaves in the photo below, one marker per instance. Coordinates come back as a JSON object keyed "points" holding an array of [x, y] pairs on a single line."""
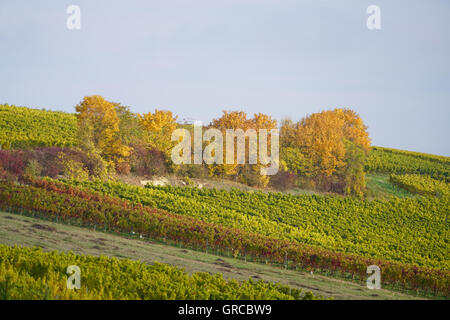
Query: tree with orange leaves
{"points": [[243, 170], [330, 139]]}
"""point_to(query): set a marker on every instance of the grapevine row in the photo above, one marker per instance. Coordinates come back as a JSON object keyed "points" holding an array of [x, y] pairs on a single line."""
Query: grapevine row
{"points": [[29, 273], [421, 184]]}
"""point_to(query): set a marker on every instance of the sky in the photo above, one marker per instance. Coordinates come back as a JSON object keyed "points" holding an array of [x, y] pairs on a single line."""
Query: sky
{"points": [[196, 58]]}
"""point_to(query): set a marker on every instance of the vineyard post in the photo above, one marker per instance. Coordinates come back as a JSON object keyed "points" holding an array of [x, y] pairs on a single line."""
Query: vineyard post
{"points": [[286, 260]]}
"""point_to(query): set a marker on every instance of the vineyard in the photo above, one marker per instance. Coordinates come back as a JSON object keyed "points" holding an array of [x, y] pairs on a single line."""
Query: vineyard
{"points": [[55, 201], [406, 233], [378, 229], [29, 273], [421, 184], [22, 127], [384, 160]]}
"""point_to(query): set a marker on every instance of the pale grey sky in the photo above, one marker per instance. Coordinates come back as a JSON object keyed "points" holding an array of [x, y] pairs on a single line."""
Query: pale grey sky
{"points": [[284, 58]]}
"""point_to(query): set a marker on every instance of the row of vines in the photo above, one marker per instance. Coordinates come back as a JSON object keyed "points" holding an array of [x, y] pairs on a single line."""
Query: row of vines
{"points": [[31, 274], [421, 184]]}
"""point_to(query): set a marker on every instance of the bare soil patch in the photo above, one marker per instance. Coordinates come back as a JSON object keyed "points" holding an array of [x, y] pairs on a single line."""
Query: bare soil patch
{"points": [[43, 227]]}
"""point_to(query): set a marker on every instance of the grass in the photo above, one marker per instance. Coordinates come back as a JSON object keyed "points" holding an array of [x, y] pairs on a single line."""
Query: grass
{"points": [[379, 187], [26, 231]]}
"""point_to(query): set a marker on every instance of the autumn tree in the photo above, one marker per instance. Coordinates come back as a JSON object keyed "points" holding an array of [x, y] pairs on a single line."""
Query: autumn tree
{"points": [[336, 142], [242, 167], [293, 160], [99, 133], [288, 133], [230, 120], [159, 126]]}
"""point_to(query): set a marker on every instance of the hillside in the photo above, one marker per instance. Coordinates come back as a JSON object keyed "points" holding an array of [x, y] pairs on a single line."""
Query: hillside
{"points": [[385, 160], [301, 225]]}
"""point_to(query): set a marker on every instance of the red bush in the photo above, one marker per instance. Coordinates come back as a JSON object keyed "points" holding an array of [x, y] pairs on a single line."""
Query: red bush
{"points": [[12, 162]]}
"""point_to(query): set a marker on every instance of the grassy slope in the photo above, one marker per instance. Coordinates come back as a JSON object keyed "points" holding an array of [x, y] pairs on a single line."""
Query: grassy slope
{"points": [[25, 231], [379, 187]]}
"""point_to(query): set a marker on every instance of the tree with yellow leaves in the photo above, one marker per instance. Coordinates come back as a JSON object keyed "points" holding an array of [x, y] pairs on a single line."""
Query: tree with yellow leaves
{"points": [[244, 168], [230, 120], [322, 137], [99, 128], [160, 126], [331, 140]]}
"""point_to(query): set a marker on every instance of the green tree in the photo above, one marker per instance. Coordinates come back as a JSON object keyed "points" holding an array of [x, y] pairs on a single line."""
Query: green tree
{"points": [[353, 172], [131, 131]]}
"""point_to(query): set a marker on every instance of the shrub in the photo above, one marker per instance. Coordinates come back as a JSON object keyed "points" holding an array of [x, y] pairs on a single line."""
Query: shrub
{"points": [[123, 168], [12, 163], [283, 180], [147, 162], [247, 175], [33, 168], [192, 171], [47, 158], [73, 169]]}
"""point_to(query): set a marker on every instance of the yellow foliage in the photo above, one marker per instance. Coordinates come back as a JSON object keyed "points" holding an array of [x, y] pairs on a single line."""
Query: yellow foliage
{"points": [[263, 121], [322, 137], [229, 120], [73, 170], [238, 120], [160, 126], [99, 127]]}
